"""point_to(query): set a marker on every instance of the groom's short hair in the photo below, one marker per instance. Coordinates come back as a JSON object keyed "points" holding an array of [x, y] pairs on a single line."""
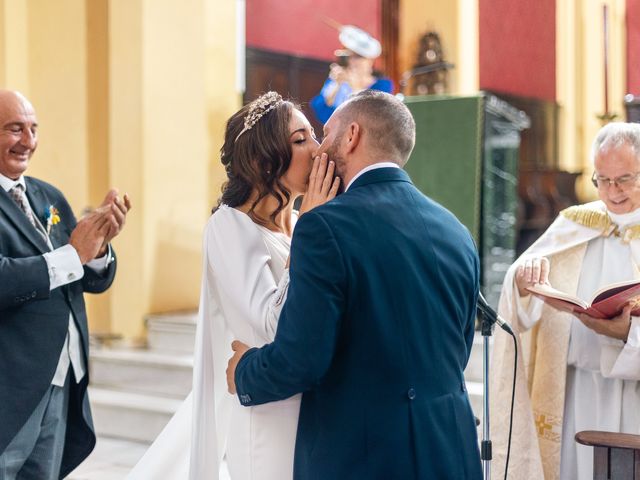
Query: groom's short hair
{"points": [[386, 121]]}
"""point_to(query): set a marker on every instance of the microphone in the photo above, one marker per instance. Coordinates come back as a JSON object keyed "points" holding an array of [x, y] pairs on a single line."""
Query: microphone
{"points": [[485, 311]]}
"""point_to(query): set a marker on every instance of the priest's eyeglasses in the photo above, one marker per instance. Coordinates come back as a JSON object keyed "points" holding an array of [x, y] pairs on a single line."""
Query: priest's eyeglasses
{"points": [[623, 182]]}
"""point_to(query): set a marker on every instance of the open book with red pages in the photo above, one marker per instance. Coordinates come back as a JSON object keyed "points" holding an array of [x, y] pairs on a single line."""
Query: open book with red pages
{"points": [[607, 302]]}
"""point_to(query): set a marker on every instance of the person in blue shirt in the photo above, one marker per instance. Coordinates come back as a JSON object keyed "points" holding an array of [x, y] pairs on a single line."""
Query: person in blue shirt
{"points": [[355, 75]]}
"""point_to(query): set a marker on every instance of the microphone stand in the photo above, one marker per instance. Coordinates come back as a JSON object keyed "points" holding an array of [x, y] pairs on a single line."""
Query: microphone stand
{"points": [[486, 328], [489, 317]]}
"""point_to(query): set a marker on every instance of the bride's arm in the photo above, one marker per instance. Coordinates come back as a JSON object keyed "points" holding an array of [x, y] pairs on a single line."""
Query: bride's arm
{"points": [[276, 302], [241, 264]]}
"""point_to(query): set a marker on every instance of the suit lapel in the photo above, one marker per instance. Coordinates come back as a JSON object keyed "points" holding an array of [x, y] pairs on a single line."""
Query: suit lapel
{"points": [[21, 222]]}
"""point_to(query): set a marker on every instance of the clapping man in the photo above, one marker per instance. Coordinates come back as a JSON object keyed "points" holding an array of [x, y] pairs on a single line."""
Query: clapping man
{"points": [[47, 262]]}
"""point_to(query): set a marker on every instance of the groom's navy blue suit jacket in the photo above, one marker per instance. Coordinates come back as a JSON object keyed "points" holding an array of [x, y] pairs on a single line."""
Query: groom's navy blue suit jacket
{"points": [[376, 331], [34, 320]]}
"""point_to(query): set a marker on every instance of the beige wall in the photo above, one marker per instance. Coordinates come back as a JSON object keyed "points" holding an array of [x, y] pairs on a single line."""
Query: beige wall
{"points": [[46, 60], [132, 94], [58, 90], [162, 144], [580, 78], [14, 44], [223, 96], [457, 24]]}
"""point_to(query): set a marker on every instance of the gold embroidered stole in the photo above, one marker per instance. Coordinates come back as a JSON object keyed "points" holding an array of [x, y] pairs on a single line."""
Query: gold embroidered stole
{"points": [[540, 383], [547, 358], [592, 217], [542, 362]]}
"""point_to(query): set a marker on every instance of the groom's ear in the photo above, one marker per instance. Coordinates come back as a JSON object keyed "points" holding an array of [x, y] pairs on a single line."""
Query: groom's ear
{"points": [[354, 136]]}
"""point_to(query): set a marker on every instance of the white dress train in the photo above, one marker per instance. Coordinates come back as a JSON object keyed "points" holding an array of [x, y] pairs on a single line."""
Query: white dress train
{"points": [[244, 283]]}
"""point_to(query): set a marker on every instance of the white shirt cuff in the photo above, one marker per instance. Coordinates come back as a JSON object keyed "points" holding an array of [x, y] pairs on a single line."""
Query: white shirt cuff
{"points": [[100, 264], [64, 266], [528, 309], [633, 340], [623, 361]]}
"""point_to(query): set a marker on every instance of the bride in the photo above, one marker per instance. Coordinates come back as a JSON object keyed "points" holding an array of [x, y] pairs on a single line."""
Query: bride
{"points": [[268, 154]]}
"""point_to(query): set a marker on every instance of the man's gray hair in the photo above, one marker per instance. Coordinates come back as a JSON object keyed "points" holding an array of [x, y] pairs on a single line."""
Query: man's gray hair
{"points": [[386, 121], [615, 135]]}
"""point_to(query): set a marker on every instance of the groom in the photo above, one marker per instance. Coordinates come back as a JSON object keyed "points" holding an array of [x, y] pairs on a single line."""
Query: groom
{"points": [[378, 324]]}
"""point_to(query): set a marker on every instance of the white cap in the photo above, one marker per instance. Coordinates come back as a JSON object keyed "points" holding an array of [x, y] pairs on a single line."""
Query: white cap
{"points": [[359, 42]]}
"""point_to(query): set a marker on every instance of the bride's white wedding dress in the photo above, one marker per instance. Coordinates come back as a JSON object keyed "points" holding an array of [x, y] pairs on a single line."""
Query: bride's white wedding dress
{"points": [[244, 283]]}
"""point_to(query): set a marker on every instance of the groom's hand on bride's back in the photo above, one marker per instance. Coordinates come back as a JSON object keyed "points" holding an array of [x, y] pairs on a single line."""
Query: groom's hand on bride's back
{"points": [[239, 350]]}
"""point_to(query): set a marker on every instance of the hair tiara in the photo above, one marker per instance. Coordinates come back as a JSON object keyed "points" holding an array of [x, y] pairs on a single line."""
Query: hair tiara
{"points": [[258, 109]]}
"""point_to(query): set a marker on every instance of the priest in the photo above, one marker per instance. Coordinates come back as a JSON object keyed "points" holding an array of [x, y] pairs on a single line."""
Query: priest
{"points": [[574, 372]]}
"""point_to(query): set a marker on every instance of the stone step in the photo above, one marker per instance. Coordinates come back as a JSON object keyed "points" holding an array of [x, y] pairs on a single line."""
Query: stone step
{"points": [[130, 416], [114, 458], [172, 332], [142, 371], [141, 418]]}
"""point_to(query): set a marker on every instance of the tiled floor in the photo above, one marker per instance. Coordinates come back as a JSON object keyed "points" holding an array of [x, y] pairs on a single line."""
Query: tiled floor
{"points": [[112, 459]]}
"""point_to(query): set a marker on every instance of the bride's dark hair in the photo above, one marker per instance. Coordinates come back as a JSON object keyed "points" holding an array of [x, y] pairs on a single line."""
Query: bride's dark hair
{"points": [[256, 158]]}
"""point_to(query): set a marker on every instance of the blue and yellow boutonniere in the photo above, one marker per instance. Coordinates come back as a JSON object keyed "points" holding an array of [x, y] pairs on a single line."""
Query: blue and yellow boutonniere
{"points": [[52, 216]]}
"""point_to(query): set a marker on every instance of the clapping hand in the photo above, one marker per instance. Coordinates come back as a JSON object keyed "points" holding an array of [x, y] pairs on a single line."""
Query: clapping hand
{"points": [[88, 236], [323, 186], [96, 229], [239, 350], [118, 210]]}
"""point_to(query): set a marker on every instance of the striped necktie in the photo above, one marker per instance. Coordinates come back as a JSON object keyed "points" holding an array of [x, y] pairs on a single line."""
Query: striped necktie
{"points": [[18, 195]]}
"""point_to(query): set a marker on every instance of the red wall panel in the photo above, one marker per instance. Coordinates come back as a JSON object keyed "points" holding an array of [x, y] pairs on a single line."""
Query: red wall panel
{"points": [[296, 27], [517, 47], [633, 47]]}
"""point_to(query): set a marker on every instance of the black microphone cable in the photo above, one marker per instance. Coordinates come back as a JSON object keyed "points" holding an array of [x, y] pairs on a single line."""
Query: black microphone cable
{"points": [[513, 399], [488, 313]]}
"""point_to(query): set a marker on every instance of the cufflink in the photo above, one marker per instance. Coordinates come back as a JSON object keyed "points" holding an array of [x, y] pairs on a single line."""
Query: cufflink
{"points": [[110, 258]]}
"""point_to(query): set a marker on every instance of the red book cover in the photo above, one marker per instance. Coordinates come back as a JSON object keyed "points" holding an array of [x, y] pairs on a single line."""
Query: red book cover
{"points": [[606, 303]]}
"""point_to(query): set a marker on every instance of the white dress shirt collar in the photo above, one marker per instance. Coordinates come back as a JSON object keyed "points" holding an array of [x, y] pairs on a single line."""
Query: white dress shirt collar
{"points": [[369, 168], [7, 184]]}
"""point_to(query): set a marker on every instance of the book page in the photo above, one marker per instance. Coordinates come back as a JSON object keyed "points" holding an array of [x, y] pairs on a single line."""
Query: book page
{"points": [[612, 289], [547, 290]]}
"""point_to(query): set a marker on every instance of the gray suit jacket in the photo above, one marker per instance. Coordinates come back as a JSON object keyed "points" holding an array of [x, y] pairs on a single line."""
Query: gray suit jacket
{"points": [[34, 320]]}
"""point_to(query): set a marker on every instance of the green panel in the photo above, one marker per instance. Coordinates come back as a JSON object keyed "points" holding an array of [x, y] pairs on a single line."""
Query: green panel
{"points": [[446, 162], [499, 197]]}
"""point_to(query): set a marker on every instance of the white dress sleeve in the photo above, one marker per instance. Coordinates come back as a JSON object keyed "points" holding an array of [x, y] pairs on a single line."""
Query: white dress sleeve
{"points": [[238, 280], [242, 266]]}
